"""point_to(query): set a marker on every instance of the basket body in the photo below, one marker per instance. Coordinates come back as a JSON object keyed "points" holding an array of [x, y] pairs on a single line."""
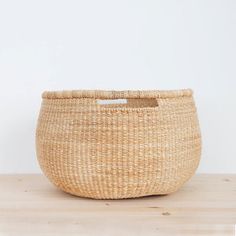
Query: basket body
{"points": [[149, 146]]}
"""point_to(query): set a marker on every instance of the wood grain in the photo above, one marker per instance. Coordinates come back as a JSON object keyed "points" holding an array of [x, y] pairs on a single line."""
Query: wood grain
{"points": [[30, 205]]}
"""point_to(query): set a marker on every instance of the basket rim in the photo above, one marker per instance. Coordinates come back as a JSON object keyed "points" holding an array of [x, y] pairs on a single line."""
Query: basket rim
{"points": [[116, 94]]}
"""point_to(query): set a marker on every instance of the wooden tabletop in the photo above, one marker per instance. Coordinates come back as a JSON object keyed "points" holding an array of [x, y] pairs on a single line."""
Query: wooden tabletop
{"points": [[30, 205]]}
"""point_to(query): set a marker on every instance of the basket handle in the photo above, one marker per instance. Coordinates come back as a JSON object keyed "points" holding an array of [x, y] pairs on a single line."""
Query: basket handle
{"points": [[129, 102]]}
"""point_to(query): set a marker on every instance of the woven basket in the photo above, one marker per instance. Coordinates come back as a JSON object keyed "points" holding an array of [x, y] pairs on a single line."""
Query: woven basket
{"points": [[149, 145]]}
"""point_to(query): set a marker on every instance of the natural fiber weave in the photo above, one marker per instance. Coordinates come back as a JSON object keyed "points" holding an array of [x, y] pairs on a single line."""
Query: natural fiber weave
{"points": [[151, 145]]}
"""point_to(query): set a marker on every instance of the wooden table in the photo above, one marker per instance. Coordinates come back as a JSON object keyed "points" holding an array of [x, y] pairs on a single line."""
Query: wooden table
{"points": [[30, 205]]}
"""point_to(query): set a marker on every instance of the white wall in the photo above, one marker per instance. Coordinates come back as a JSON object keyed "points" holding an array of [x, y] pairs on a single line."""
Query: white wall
{"points": [[125, 44]]}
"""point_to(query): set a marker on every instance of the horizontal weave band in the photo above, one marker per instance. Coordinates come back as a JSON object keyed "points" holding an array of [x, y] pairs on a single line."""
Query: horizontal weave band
{"points": [[103, 94]]}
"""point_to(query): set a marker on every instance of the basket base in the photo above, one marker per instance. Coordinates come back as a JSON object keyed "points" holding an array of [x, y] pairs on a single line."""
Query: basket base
{"points": [[100, 197]]}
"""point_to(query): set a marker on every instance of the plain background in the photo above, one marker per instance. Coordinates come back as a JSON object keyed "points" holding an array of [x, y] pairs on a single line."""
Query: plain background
{"points": [[125, 44]]}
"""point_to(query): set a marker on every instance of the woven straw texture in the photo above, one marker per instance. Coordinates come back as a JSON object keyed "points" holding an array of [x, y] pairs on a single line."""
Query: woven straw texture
{"points": [[150, 145]]}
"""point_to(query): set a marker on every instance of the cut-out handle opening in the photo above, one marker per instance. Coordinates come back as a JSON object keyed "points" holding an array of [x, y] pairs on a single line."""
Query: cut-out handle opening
{"points": [[111, 101], [128, 103]]}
